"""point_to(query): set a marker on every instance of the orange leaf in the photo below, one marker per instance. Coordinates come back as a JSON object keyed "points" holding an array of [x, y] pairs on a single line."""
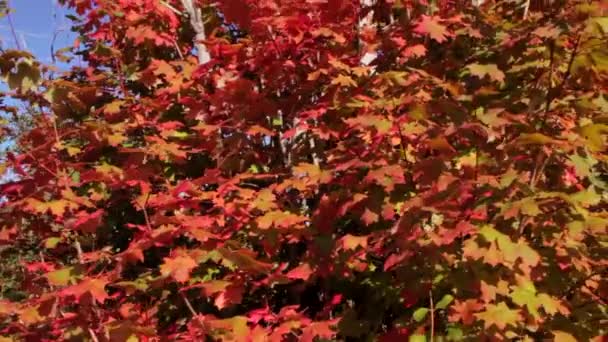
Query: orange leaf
{"points": [[301, 272], [178, 267], [432, 27]]}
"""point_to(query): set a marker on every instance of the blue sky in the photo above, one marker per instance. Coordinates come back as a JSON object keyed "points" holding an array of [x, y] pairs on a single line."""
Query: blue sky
{"points": [[35, 22]]}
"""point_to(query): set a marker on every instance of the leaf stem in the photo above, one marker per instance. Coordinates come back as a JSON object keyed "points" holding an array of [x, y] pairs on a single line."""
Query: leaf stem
{"points": [[432, 309]]}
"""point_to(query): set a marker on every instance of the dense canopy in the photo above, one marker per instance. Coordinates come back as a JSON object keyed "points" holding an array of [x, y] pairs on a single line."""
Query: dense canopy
{"points": [[285, 170]]}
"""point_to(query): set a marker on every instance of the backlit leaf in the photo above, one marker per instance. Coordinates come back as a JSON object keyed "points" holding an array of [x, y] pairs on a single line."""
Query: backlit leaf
{"points": [[498, 315], [432, 27], [178, 267]]}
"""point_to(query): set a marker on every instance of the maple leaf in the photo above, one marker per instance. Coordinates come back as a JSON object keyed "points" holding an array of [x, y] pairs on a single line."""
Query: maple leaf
{"points": [[380, 123], [395, 259], [301, 272], [245, 259], [30, 316], [498, 315], [483, 70], [7, 234], [562, 336], [265, 165], [351, 242], [369, 217], [93, 286], [387, 176], [61, 277], [232, 295], [493, 256], [312, 173], [264, 201], [430, 26], [417, 50], [465, 311], [87, 222], [280, 219], [344, 81], [319, 329], [178, 267], [547, 31], [56, 207], [525, 295], [234, 329]]}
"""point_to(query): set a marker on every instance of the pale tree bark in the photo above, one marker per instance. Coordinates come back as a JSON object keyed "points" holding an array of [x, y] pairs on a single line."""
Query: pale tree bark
{"points": [[196, 20], [368, 20]]}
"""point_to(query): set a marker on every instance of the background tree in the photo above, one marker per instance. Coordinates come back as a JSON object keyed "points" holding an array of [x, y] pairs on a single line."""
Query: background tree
{"points": [[451, 186]]}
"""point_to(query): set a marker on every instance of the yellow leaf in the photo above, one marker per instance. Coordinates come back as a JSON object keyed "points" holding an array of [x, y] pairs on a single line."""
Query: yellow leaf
{"points": [[280, 219], [536, 139], [178, 267], [56, 207], [312, 173], [264, 201], [30, 316], [51, 242], [562, 336], [62, 277], [113, 107], [482, 70], [344, 81], [499, 315], [594, 134], [116, 139]]}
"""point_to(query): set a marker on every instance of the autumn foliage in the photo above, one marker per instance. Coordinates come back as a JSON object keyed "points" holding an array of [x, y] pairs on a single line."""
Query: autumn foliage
{"points": [[452, 186]]}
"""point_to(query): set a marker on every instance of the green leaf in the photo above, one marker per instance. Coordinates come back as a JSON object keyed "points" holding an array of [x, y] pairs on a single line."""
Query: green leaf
{"points": [[180, 134], [525, 295], [445, 301], [62, 277], [51, 242], [277, 122], [455, 334], [417, 338], [420, 314], [582, 166], [499, 315], [586, 198]]}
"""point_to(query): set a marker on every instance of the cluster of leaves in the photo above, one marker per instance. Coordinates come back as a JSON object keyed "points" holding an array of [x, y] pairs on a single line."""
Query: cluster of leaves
{"points": [[453, 188]]}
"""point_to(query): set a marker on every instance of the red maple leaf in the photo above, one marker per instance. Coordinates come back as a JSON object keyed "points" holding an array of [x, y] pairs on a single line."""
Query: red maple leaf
{"points": [[432, 27]]}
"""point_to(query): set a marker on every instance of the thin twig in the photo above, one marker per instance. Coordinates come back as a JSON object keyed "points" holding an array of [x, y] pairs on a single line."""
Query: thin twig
{"points": [[12, 26], [570, 63], [189, 305], [550, 87], [179, 51], [175, 10], [78, 250], [432, 308], [93, 336], [55, 34], [146, 217], [538, 171]]}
